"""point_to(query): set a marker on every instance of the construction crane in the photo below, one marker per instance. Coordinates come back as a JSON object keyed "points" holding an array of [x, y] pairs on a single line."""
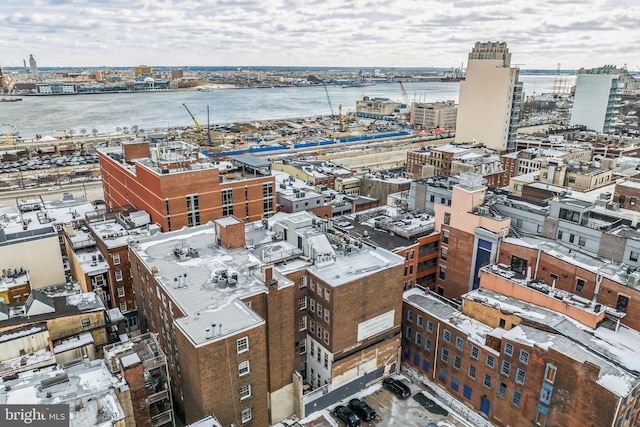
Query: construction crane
{"points": [[198, 126], [328, 99], [340, 118], [412, 116]]}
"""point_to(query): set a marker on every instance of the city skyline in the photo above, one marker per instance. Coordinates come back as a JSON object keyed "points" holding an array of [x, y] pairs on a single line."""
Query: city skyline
{"points": [[373, 33]]}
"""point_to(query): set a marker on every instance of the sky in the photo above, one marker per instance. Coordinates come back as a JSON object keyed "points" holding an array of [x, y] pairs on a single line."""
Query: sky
{"points": [[329, 33]]}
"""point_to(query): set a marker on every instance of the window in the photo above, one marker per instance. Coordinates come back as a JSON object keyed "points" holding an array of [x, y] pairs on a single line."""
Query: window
{"points": [[326, 337], [303, 323], [245, 391], [303, 282], [327, 293], [243, 368], [633, 256], [572, 237], [508, 349], [267, 196], [486, 382], [520, 376], [312, 305], [474, 352], [502, 390], [505, 369], [193, 210], [580, 285], [118, 275], [445, 236], [471, 372], [443, 272], [457, 362], [303, 346], [490, 360], [410, 315], [447, 218], [419, 320], [227, 202], [550, 373], [454, 384], [516, 399], [326, 361], [85, 322], [326, 315], [302, 303], [121, 291], [459, 343], [559, 235], [429, 326], [541, 418], [427, 344], [442, 375], [243, 344], [445, 355], [443, 254], [418, 338], [545, 393], [582, 241], [319, 310], [524, 357], [246, 415], [407, 332], [116, 259], [446, 335]]}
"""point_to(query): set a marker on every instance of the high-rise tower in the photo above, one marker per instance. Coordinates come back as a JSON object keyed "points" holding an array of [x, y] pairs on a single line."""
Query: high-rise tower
{"points": [[33, 66], [490, 98], [596, 98]]}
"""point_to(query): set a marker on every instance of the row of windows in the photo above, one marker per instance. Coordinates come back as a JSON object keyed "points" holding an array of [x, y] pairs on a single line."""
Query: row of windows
{"points": [[317, 308]]}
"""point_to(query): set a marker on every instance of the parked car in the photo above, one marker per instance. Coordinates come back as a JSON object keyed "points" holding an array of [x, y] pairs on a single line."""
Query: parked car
{"points": [[430, 405], [397, 387], [347, 416], [362, 410]]}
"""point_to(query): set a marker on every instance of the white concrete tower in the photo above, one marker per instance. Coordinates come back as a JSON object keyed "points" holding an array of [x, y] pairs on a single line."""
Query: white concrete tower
{"points": [[490, 98]]}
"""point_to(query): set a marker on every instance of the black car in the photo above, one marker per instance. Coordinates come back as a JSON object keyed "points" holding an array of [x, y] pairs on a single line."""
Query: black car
{"points": [[347, 416], [362, 410], [430, 405], [396, 387]]}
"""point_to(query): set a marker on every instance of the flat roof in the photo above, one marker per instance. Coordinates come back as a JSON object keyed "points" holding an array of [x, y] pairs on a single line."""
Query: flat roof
{"points": [[251, 161], [196, 284], [88, 381]]}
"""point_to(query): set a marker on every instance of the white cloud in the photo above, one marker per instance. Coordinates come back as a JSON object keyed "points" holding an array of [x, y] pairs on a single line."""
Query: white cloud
{"points": [[577, 33]]}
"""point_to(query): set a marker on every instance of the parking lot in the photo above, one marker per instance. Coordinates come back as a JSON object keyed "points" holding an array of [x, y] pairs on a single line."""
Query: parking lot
{"points": [[390, 410]]}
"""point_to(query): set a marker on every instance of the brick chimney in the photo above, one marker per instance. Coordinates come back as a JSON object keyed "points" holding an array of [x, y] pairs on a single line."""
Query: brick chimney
{"points": [[230, 231]]}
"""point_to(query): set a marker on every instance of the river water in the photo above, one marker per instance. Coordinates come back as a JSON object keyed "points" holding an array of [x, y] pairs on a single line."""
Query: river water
{"points": [[49, 115]]}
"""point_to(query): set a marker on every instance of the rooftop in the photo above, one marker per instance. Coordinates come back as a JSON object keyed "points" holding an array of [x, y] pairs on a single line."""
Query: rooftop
{"points": [[88, 387], [614, 351], [387, 227], [43, 305], [207, 283], [144, 348]]}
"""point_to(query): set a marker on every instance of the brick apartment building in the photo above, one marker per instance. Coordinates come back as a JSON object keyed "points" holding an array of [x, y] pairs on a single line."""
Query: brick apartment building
{"points": [[511, 353], [470, 235], [410, 235], [178, 188], [286, 313]]}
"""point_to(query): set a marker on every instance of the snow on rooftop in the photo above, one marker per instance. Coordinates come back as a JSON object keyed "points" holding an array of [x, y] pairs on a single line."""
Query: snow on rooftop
{"points": [[196, 284], [81, 340]]}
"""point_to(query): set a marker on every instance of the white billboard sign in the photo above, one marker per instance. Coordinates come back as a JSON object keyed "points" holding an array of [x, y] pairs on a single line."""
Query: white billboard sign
{"points": [[374, 326]]}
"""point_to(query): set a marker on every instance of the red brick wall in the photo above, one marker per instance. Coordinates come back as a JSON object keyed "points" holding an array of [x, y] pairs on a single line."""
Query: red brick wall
{"points": [[147, 190], [567, 277], [135, 379], [211, 372], [458, 263]]}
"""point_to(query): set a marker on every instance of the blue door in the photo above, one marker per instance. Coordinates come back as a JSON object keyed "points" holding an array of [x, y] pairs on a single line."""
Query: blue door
{"points": [[484, 405]]}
